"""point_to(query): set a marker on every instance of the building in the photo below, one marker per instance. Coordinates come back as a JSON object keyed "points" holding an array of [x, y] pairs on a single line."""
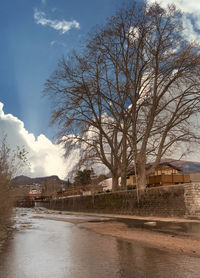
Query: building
{"points": [[92, 189], [34, 194], [165, 174]]}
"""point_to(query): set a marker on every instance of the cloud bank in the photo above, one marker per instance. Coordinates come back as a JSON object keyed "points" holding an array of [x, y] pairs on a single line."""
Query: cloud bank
{"points": [[191, 17], [60, 25], [45, 157]]}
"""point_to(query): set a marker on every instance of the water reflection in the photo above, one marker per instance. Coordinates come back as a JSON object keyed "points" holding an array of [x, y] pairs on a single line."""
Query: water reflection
{"points": [[137, 261], [61, 250]]}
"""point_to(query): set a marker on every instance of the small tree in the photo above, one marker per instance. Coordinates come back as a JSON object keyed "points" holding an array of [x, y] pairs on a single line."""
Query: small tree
{"points": [[83, 178], [11, 163], [68, 184], [98, 179], [50, 187]]}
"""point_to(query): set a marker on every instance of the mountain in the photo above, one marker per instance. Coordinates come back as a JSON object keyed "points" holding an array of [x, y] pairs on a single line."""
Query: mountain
{"points": [[24, 180], [188, 166]]}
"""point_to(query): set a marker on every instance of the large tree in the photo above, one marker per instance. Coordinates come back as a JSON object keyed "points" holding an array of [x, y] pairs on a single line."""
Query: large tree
{"points": [[82, 109], [140, 74]]}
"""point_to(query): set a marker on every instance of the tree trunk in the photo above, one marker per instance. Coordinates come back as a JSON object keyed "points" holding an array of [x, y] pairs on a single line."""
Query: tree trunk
{"points": [[124, 162], [115, 185], [123, 181], [141, 176]]}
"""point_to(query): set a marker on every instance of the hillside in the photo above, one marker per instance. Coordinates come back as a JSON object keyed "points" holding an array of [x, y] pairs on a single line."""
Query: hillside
{"points": [[24, 180], [188, 166]]}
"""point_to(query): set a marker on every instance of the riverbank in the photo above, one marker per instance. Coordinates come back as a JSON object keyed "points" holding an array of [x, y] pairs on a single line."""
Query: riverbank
{"points": [[148, 238], [3, 238], [110, 225], [5, 235]]}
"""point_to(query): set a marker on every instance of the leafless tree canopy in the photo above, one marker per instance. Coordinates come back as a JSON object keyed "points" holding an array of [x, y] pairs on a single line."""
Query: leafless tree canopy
{"points": [[135, 88]]}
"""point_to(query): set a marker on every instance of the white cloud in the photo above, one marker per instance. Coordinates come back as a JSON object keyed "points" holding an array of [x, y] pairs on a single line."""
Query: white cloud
{"points": [[185, 5], [58, 43], [45, 157], [191, 18], [60, 25], [52, 43], [44, 2]]}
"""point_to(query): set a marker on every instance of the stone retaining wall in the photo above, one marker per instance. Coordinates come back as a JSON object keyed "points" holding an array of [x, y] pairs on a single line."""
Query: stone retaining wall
{"points": [[164, 201], [192, 199]]}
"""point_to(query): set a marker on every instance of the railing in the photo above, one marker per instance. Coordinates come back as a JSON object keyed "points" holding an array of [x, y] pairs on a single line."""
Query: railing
{"points": [[168, 179], [162, 180]]}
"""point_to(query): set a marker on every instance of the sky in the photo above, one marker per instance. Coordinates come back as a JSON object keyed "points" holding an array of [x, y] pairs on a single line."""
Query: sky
{"points": [[35, 34]]}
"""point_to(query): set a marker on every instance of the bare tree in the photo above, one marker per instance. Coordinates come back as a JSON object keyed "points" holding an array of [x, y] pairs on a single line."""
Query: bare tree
{"points": [[146, 56], [110, 148], [82, 109], [141, 73]]}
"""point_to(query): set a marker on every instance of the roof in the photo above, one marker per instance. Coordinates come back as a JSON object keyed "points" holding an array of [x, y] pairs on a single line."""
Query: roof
{"points": [[132, 171]]}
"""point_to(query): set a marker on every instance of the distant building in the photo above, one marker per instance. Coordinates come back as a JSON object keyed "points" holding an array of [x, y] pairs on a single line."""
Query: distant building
{"points": [[106, 184], [34, 194], [92, 189]]}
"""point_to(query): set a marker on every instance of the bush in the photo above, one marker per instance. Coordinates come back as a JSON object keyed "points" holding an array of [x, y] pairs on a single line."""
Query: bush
{"points": [[11, 161]]}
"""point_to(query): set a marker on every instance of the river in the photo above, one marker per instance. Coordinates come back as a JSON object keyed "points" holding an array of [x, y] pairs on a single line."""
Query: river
{"points": [[55, 249]]}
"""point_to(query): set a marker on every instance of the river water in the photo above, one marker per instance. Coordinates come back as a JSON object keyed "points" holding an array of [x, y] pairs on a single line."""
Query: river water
{"points": [[54, 249]]}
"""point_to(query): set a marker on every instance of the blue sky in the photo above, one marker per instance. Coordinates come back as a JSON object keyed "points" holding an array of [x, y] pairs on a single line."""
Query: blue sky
{"points": [[29, 51], [34, 35]]}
